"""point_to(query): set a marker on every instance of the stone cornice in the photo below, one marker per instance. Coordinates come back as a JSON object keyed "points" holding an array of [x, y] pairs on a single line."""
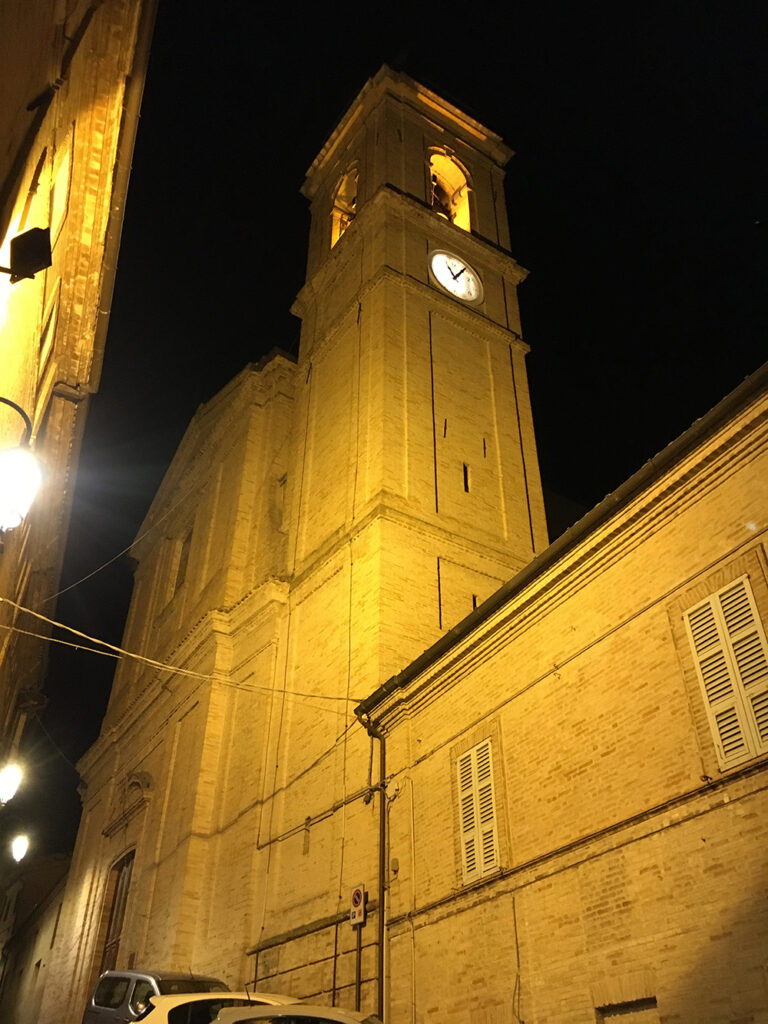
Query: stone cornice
{"points": [[500, 620], [138, 785], [422, 100], [393, 508], [205, 635], [476, 249]]}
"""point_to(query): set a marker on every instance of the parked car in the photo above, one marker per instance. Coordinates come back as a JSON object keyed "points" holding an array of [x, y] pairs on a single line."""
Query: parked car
{"points": [[120, 997], [203, 1007], [298, 1013]]}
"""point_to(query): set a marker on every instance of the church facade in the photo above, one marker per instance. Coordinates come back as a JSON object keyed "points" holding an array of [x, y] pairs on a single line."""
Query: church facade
{"points": [[363, 668]]}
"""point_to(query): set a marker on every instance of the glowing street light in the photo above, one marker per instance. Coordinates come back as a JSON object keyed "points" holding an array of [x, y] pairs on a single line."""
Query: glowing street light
{"points": [[19, 847], [10, 777], [20, 476]]}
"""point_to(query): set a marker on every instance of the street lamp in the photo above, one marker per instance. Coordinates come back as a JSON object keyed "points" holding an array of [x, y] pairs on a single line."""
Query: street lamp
{"points": [[19, 847], [20, 476], [10, 777]]}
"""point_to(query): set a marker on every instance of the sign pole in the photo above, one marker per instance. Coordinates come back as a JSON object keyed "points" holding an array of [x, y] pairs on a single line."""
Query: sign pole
{"points": [[357, 920], [358, 967]]}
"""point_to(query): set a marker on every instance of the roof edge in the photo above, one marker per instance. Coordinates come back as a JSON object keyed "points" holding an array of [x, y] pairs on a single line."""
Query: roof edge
{"points": [[737, 400]]}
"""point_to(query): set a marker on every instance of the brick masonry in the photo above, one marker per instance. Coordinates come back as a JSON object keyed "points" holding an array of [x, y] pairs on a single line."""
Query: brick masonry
{"points": [[333, 539]]}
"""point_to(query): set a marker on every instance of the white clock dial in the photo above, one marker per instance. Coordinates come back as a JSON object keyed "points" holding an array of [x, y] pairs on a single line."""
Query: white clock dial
{"points": [[456, 276]]}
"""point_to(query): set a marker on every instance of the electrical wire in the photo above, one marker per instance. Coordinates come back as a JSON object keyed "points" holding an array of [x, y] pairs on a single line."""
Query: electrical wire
{"points": [[57, 640], [223, 680], [164, 666], [119, 554], [53, 742]]}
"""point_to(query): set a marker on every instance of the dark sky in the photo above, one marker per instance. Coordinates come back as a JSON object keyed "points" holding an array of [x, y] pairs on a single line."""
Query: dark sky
{"points": [[636, 200]]}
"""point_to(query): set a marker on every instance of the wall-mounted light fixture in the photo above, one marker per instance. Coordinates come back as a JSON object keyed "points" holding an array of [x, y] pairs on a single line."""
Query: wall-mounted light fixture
{"points": [[20, 476], [30, 252], [19, 846], [10, 778]]}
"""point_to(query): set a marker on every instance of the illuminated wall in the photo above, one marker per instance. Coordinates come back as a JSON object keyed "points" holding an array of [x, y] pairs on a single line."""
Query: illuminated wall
{"points": [[323, 523], [67, 120]]}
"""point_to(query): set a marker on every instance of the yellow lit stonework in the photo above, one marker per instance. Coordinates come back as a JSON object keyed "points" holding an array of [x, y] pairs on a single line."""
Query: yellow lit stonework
{"points": [[72, 79], [372, 633], [58, 171]]}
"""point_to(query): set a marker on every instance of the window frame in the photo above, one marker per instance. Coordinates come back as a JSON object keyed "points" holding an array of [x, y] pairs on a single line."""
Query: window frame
{"points": [[117, 985], [477, 811], [61, 189], [344, 211], [461, 215], [725, 641], [115, 906]]}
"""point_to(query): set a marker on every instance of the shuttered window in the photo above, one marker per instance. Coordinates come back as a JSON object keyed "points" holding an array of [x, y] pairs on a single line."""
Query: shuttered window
{"points": [[731, 657], [477, 812]]}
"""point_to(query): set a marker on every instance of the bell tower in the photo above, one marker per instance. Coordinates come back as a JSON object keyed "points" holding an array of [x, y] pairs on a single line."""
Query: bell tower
{"points": [[415, 449]]}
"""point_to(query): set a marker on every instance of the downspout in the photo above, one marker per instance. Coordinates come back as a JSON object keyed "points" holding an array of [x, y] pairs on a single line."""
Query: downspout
{"points": [[374, 733]]}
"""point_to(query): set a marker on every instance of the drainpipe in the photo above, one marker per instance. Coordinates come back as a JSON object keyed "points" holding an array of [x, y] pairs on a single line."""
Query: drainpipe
{"points": [[374, 733]]}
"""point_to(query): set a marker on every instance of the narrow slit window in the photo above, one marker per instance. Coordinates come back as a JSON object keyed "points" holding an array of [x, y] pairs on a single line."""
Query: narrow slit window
{"points": [[474, 601], [182, 563], [466, 478], [46, 337]]}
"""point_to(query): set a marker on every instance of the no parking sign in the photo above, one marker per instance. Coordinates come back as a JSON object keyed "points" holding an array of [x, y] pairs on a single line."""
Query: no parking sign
{"points": [[357, 906]]}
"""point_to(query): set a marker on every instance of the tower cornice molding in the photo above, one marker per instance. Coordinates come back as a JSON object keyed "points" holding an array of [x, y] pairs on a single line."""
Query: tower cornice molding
{"points": [[569, 566], [472, 319], [392, 507], [424, 102], [446, 235]]}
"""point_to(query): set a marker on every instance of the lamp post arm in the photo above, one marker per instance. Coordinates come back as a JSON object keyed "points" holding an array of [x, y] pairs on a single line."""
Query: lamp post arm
{"points": [[27, 422]]}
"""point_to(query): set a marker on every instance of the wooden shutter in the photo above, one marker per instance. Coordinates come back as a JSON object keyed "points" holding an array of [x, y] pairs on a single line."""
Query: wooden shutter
{"points": [[477, 812], [732, 663]]}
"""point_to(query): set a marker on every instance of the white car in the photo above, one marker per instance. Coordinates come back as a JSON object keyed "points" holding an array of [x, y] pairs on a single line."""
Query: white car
{"points": [[298, 1013], [202, 1007]]}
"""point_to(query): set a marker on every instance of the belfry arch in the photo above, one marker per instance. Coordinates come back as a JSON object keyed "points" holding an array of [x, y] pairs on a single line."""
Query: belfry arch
{"points": [[344, 203], [449, 188]]}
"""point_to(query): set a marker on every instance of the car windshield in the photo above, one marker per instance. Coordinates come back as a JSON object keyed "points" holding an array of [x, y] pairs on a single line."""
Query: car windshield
{"points": [[173, 986], [201, 1011]]}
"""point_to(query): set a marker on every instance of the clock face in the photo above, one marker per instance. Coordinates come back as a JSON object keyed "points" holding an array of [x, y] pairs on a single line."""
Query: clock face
{"points": [[456, 276]]}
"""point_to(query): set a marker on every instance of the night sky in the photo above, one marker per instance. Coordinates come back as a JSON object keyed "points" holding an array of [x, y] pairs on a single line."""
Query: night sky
{"points": [[636, 200]]}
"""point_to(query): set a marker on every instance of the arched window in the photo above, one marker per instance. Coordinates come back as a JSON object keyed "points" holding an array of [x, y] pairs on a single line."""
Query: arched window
{"points": [[113, 914], [344, 204], [448, 189]]}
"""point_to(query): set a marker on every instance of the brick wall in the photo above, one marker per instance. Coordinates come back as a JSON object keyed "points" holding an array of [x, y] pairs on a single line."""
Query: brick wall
{"points": [[631, 866]]}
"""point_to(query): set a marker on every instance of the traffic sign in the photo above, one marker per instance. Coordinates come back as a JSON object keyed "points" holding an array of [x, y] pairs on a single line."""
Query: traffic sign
{"points": [[357, 906]]}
